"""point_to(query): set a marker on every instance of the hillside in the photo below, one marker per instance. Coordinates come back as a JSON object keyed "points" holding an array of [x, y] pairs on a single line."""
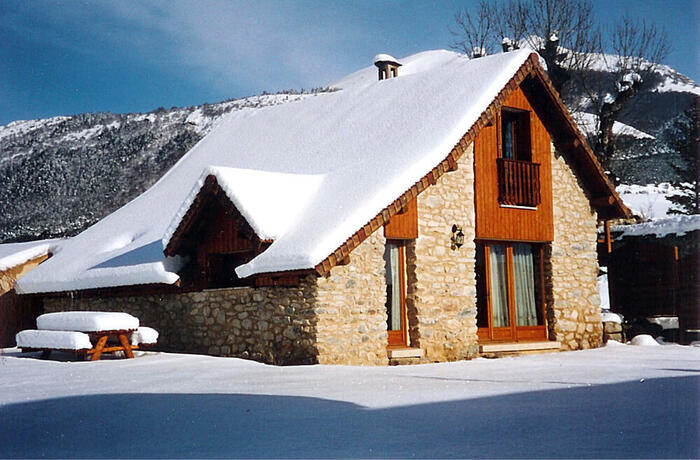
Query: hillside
{"points": [[62, 174]]}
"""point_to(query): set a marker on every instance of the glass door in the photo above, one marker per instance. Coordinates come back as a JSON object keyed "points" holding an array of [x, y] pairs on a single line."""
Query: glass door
{"points": [[395, 269], [510, 287]]}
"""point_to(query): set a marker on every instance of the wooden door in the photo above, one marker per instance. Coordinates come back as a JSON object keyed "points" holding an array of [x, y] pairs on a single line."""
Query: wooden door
{"points": [[510, 292]]}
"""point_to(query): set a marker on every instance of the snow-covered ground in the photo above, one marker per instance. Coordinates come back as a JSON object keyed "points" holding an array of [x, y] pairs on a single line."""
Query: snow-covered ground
{"points": [[617, 401]]}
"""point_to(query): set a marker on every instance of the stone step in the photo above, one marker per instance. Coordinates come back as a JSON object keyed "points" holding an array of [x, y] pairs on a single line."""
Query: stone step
{"points": [[519, 347], [404, 352]]}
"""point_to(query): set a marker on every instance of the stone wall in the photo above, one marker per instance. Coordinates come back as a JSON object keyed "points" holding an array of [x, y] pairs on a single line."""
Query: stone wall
{"points": [[350, 308], [573, 304], [271, 324], [335, 320], [441, 298]]}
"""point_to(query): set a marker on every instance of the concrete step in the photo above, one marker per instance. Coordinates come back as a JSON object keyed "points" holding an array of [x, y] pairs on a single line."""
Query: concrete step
{"points": [[404, 352], [518, 347]]}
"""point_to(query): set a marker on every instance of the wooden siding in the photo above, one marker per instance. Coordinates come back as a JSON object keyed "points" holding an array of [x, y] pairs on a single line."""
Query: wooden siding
{"points": [[496, 222], [669, 283], [223, 233], [404, 225]]}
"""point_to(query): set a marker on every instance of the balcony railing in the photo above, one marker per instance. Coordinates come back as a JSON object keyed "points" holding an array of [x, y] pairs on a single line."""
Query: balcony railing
{"points": [[518, 182]]}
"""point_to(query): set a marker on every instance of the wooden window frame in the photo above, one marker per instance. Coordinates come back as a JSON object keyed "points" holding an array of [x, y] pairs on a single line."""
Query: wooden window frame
{"points": [[512, 332], [398, 339], [521, 133]]}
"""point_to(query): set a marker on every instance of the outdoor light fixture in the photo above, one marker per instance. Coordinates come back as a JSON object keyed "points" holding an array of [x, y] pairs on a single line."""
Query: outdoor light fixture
{"points": [[457, 237]]}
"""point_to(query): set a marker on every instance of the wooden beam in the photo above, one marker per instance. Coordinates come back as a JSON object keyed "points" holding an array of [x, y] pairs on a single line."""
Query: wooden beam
{"points": [[571, 144], [603, 201], [608, 240]]}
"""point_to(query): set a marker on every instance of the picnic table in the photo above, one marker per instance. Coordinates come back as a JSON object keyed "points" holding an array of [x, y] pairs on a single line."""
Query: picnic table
{"points": [[86, 333]]}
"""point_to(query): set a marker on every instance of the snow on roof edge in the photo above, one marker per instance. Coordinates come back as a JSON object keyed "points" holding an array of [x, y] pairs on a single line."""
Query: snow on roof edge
{"points": [[290, 192], [162, 272], [29, 252], [678, 225]]}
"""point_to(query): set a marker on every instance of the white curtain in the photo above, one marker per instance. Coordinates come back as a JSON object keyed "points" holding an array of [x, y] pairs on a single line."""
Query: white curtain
{"points": [[499, 285], [524, 285], [393, 286]]}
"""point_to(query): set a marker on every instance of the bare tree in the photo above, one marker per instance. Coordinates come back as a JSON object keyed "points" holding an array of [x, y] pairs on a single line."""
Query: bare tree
{"points": [[567, 37], [638, 48], [552, 27], [474, 30]]}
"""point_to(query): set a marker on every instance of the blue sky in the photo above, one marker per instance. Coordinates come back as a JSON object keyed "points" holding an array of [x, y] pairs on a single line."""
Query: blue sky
{"points": [[62, 58]]}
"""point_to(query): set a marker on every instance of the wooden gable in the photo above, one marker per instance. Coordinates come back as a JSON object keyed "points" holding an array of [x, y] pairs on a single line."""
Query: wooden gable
{"points": [[216, 238], [494, 219], [213, 224]]}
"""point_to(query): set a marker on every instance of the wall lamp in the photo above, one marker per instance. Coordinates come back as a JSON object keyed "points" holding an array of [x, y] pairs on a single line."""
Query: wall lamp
{"points": [[457, 238]]}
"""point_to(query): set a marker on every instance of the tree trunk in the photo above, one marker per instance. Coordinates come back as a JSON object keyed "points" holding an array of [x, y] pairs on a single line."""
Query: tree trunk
{"points": [[555, 71], [609, 111]]}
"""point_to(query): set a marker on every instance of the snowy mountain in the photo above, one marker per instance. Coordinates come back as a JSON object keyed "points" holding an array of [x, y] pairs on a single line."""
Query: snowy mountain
{"points": [[60, 175], [648, 127]]}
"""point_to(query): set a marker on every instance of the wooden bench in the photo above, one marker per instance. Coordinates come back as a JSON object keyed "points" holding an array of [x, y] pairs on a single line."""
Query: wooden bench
{"points": [[86, 334]]}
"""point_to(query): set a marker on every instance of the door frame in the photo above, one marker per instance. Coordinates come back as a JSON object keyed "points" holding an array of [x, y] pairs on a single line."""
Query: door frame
{"points": [[399, 338], [512, 332]]}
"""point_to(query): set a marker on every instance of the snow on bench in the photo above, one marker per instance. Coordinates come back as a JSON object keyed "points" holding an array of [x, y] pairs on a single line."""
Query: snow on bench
{"points": [[87, 321], [144, 336], [55, 340], [78, 330]]}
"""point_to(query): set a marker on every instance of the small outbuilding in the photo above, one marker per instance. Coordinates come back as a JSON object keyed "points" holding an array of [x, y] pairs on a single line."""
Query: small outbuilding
{"points": [[653, 273], [19, 312]]}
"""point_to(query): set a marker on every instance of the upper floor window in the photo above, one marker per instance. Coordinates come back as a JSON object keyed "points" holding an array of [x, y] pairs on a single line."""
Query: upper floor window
{"points": [[518, 176], [515, 135]]}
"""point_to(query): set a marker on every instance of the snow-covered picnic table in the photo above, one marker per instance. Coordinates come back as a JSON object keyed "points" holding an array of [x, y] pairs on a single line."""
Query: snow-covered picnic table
{"points": [[86, 333]]}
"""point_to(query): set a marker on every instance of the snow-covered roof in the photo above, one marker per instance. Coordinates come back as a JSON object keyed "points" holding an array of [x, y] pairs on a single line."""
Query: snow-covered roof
{"points": [[270, 201], [14, 254], [677, 225], [335, 159]]}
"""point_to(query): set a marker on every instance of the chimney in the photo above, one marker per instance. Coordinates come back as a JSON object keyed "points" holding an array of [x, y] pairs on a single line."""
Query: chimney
{"points": [[388, 66]]}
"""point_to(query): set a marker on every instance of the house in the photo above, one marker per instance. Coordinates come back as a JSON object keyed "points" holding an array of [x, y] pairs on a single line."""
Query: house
{"points": [[19, 312], [666, 291], [445, 209]]}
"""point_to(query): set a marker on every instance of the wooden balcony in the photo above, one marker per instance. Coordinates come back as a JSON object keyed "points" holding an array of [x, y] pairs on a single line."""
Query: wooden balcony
{"points": [[518, 183]]}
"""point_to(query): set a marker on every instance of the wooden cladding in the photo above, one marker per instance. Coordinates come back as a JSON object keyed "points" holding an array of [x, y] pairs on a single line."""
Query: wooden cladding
{"points": [[514, 196], [404, 224], [518, 182]]}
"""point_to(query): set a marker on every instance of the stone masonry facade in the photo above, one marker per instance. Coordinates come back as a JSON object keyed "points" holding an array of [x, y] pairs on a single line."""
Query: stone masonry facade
{"points": [[271, 324], [573, 304], [441, 300], [342, 319]]}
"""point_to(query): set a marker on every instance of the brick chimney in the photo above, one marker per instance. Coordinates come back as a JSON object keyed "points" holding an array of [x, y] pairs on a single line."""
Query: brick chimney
{"points": [[387, 65]]}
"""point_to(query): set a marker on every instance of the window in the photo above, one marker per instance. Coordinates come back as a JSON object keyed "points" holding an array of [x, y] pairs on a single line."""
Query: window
{"points": [[518, 176], [395, 269], [515, 135], [510, 291]]}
